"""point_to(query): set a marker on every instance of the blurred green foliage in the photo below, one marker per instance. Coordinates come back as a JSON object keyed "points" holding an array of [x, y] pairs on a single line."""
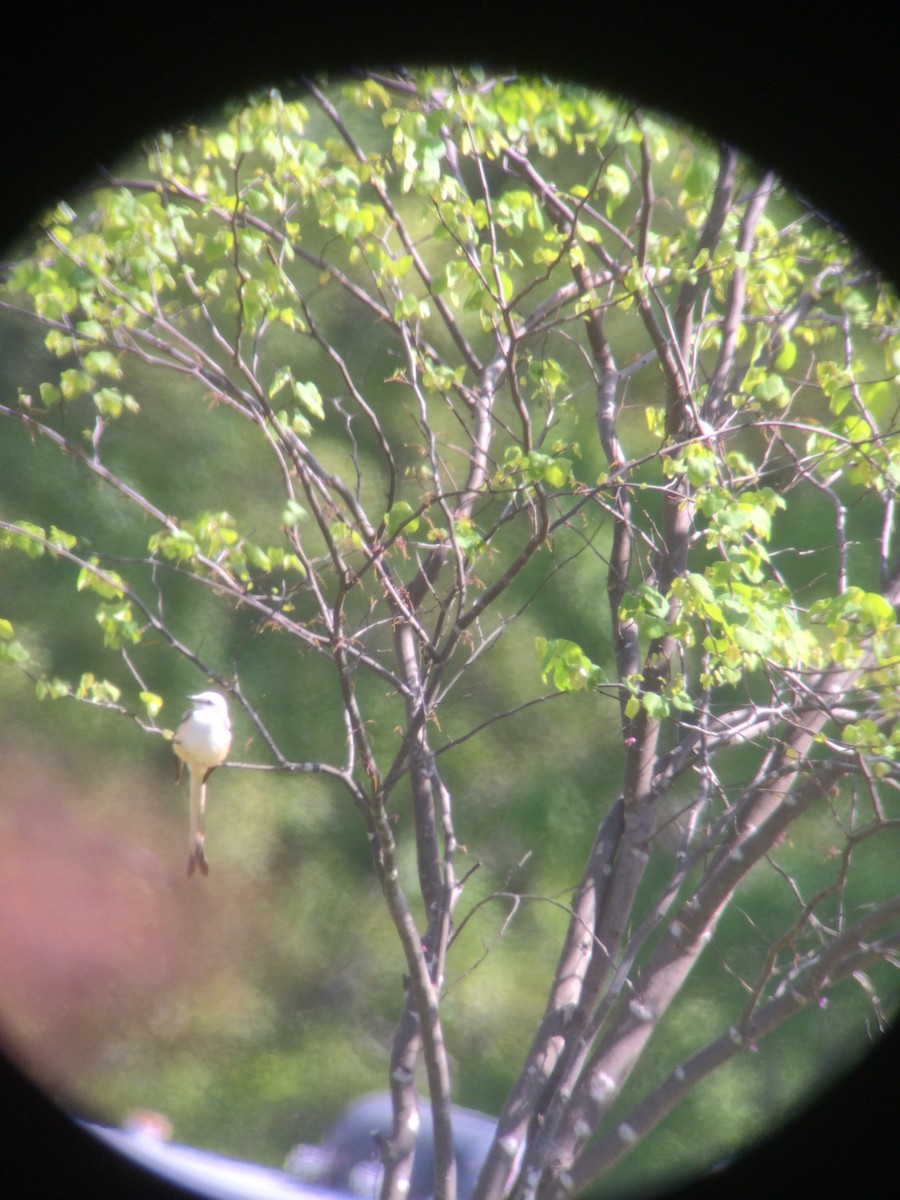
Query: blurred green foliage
{"points": [[282, 1009]]}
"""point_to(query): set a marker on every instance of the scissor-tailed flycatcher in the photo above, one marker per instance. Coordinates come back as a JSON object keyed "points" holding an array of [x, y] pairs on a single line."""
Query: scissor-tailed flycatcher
{"points": [[202, 740]]}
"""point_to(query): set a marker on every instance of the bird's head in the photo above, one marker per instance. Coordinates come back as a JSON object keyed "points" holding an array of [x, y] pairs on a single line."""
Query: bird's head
{"points": [[209, 700]]}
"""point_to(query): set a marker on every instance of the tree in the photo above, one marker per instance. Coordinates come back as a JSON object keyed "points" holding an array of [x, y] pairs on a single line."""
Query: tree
{"points": [[617, 359]]}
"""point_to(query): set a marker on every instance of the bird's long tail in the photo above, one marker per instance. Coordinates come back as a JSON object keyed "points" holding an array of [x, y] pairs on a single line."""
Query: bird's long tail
{"points": [[198, 804]]}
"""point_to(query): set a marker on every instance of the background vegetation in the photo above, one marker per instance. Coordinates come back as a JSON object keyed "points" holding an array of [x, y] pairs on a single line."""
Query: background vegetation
{"points": [[219, 1007]]}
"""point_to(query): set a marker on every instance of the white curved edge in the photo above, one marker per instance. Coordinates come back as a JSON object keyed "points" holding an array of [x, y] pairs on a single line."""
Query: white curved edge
{"points": [[210, 1175]]}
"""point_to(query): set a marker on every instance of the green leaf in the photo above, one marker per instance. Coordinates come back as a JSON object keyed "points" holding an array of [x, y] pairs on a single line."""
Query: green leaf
{"points": [[52, 689], [107, 583], [102, 362], [118, 625], [656, 706], [257, 557], [14, 652], [751, 640], [540, 467], [291, 562], [309, 397], [101, 691], [151, 702], [700, 177], [565, 664], [617, 184], [226, 145], [877, 611], [74, 383], [50, 394], [400, 517], [283, 377], [701, 585], [60, 539], [787, 356], [655, 416], [293, 513], [469, 537], [772, 390], [653, 601], [112, 403], [176, 545], [28, 538]]}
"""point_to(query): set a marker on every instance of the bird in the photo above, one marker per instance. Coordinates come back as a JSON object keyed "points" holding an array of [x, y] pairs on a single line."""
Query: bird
{"points": [[202, 741]]}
